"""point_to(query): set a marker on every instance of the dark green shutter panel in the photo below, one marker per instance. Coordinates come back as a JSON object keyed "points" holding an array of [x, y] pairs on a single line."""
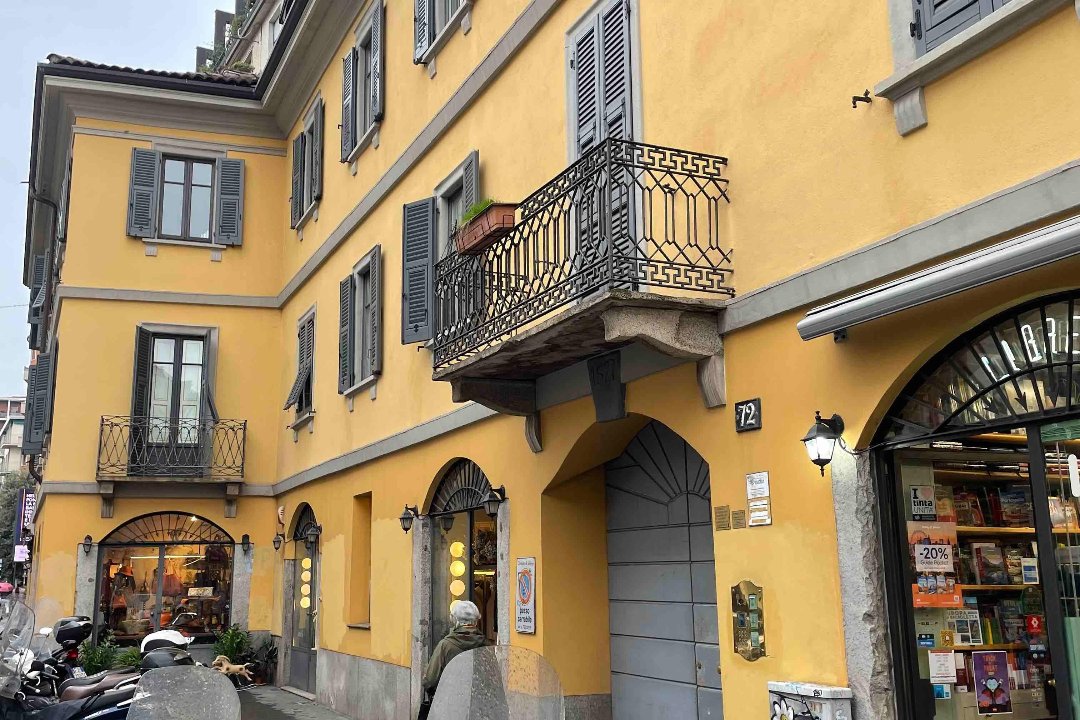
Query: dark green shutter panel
{"points": [[346, 333], [230, 202], [296, 202], [317, 151], [305, 347], [39, 410], [209, 406], [143, 193], [377, 63], [374, 318], [66, 206], [470, 180], [348, 104], [586, 86], [50, 389], [938, 20], [29, 446], [424, 24], [615, 69], [38, 265], [417, 253], [140, 393]]}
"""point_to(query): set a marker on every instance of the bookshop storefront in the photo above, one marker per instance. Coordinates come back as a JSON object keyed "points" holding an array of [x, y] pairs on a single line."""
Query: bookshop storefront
{"points": [[979, 484]]}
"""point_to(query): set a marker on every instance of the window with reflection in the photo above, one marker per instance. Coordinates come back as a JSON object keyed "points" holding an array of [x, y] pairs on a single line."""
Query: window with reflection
{"points": [[186, 198]]}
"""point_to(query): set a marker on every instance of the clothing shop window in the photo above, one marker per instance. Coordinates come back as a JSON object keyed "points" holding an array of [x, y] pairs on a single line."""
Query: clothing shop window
{"points": [[165, 571]]}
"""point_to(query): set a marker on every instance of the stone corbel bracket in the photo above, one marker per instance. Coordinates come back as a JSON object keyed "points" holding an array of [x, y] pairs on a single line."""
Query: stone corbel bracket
{"points": [[686, 334], [106, 490]]}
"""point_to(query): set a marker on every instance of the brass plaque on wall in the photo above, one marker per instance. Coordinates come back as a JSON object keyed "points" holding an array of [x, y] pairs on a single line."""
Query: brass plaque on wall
{"points": [[748, 619]]}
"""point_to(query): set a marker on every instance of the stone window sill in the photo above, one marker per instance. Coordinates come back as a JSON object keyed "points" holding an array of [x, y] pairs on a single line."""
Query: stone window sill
{"points": [[208, 245], [307, 418], [905, 87], [365, 384], [462, 18], [312, 213], [359, 626], [369, 138]]}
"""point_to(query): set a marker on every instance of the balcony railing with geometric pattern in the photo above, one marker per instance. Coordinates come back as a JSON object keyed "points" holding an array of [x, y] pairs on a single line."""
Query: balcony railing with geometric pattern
{"points": [[163, 447], [626, 215]]}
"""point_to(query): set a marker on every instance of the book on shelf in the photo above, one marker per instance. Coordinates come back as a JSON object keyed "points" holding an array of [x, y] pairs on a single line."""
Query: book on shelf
{"points": [[1015, 504], [1063, 513], [943, 499], [968, 510], [989, 564]]}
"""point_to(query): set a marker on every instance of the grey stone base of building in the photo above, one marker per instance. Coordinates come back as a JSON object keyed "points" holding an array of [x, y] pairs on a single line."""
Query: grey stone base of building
{"points": [[588, 707], [362, 688]]}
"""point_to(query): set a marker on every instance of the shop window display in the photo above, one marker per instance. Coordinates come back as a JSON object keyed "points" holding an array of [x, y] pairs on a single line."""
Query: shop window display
{"points": [[147, 582]]}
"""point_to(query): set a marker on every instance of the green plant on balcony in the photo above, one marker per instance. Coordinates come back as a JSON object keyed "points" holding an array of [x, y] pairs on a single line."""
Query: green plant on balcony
{"points": [[475, 209], [482, 224]]}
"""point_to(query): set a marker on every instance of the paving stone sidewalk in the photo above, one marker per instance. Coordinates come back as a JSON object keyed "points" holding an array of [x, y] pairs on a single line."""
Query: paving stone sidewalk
{"points": [[271, 703]]}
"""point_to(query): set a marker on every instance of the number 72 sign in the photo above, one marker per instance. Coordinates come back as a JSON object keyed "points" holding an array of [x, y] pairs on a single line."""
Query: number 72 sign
{"points": [[748, 415]]}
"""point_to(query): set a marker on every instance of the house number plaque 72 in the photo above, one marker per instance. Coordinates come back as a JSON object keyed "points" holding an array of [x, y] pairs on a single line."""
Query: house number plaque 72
{"points": [[748, 415]]}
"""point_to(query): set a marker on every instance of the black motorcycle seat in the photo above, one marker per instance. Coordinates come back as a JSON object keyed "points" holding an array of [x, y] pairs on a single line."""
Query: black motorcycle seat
{"points": [[73, 709], [93, 679], [108, 682]]}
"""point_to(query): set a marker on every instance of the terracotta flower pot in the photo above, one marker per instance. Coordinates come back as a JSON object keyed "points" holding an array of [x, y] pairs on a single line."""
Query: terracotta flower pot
{"points": [[495, 222]]}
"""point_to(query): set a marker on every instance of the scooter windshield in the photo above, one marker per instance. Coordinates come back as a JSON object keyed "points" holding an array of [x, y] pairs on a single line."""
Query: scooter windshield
{"points": [[16, 634], [184, 692], [498, 683]]}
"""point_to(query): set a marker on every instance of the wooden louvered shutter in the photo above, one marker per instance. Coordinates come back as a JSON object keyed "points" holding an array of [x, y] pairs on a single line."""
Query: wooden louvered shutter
{"points": [[39, 416], [296, 202], [470, 181], [38, 270], [584, 62], [30, 446], [424, 25], [346, 333], [615, 69], [317, 151], [938, 20], [376, 47], [143, 193], [140, 393], [230, 202], [417, 259], [348, 103], [374, 318]]}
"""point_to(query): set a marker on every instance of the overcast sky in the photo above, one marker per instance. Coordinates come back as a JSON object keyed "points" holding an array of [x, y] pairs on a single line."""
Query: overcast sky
{"points": [[160, 34]]}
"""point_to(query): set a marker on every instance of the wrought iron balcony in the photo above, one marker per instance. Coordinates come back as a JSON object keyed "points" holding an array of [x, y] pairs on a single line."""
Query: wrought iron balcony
{"points": [[145, 447], [626, 217]]}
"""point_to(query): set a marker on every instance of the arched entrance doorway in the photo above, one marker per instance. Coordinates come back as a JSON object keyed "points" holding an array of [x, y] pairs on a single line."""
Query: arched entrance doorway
{"points": [[168, 569], [464, 549], [303, 650], [661, 581], [979, 485]]}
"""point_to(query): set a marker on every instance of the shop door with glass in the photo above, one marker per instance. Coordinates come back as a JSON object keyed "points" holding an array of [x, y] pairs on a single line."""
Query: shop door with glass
{"points": [[661, 582], [302, 657]]}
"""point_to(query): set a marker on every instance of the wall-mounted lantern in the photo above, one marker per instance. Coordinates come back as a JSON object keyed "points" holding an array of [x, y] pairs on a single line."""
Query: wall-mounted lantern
{"points": [[87, 544], [245, 543], [446, 522], [278, 539], [494, 499], [821, 439], [312, 535], [408, 515]]}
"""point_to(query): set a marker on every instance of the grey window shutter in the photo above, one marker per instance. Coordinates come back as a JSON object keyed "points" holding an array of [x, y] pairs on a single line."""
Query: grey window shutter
{"points": [[418, 253], [348, 104], [140, 393], [470, 180], [143, 193], [305, 343], [317, 151], [377, 63], [296, 202], [31, 445], [230, 202], [346, 333], [38, 269], [39, 410], [938, 20], [615, 69], [584, 62], [66, 203], [424, 24], [209, 409], [374, 318]]}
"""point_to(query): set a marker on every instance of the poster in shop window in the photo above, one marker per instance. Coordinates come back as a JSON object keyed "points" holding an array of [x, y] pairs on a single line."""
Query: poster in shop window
{"points": [[991, 673], [933, 551]]}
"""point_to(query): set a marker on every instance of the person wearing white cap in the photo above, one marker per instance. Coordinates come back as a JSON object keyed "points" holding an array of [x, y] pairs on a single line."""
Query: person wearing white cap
{"points": [[464, 635]]}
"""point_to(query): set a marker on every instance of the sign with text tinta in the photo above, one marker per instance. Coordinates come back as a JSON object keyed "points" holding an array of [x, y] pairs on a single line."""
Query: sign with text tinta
{"points": [[525, 596]]}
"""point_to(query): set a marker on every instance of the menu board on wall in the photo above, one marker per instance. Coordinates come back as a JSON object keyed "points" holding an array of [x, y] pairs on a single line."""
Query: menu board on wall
{"points": [[933, 552]]}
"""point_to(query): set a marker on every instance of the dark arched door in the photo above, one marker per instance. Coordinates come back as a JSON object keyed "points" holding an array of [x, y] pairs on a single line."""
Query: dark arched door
{"points": [[661, 581], [304, 642]]}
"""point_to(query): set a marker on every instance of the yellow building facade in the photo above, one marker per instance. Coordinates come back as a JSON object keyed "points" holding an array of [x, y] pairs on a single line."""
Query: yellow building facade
{"points": [[589, 421]]}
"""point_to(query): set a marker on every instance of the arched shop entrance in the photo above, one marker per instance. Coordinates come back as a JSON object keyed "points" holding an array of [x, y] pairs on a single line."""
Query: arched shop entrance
{"points": [[464, 549], [166, 569], [979, 487], [303, 651], [661, 581]]}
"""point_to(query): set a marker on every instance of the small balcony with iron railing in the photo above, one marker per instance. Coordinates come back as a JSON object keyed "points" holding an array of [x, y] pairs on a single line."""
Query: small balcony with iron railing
{"points": [[624, 246], [151, 448]]}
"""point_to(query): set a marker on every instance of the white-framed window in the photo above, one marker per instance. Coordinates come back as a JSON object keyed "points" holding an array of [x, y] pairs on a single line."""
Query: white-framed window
{"points": [[359, 331], [435, 21], [362, 86], [449, 207]]}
